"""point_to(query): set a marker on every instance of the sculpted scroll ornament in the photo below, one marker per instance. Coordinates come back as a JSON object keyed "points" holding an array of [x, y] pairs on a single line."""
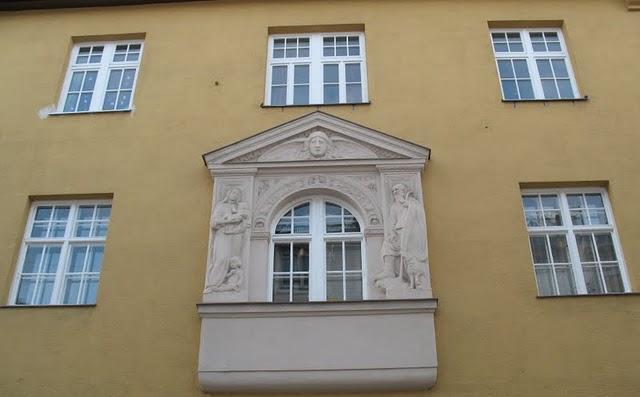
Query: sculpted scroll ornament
{"points": [[404, 251], [230, 223]]}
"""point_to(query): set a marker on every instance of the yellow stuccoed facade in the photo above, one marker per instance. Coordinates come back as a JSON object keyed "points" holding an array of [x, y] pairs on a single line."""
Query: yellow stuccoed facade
{"points": [[432, 81]]}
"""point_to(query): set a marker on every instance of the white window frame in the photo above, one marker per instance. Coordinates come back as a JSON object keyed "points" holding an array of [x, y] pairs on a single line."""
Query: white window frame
{"points": [[103, 68], [317, 239], [316, 60], [570, 231], [67, 241], [531, 56]]}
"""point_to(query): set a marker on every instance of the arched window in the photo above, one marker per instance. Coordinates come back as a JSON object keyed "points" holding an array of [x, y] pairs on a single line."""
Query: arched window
{"points": [[317, 254]]}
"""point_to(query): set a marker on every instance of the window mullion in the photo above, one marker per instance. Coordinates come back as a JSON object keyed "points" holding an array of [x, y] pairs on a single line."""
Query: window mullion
{"points": [[317, 290], [342, 82], [101, 79], [315, 69]]}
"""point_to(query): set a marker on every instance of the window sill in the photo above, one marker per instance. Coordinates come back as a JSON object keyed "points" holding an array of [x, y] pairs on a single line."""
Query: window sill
{"points": [[544, 101], [316, 105], [90, 112], [46, 306], [589, 295]]}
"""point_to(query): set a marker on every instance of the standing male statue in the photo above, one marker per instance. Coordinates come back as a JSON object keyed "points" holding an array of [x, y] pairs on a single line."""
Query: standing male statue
{"points": [[404, 251]]}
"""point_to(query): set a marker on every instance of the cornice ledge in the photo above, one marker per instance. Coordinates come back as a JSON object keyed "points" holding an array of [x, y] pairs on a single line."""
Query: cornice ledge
{"points": [[633, 5], [316, 309]]}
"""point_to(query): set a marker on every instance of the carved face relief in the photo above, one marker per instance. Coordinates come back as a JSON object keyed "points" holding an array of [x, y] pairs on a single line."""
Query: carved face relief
{"points": [[318, 144], [399, 193], [233, 195]]}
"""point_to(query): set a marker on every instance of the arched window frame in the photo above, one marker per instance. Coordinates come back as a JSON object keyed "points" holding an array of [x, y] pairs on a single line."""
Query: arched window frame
{"points": [[317, 239]]}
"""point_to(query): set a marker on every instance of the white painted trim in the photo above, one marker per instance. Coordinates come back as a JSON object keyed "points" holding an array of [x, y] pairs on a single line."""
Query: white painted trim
{"points": [[103, 68], [315, 60], [570, 230], [530, 56], [65, 242]]}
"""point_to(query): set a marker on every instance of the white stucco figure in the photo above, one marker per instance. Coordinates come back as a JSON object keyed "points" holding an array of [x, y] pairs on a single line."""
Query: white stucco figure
{"points": [[404, 250], [230, 222]]}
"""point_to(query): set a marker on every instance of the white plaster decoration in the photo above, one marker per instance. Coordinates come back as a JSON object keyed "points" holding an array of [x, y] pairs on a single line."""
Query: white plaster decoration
{"points": [[258, 178], [230, 222]]}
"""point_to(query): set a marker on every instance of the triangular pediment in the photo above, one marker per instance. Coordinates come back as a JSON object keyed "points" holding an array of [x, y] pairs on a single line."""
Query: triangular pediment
{"points": [[316, 137]]}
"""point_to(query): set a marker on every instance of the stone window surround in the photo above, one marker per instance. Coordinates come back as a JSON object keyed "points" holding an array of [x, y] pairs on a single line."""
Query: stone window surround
{"points": [[254, 181]]}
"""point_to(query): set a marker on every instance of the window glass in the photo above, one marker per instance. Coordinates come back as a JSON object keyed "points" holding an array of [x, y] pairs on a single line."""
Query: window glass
{"points": [[62, 254]]}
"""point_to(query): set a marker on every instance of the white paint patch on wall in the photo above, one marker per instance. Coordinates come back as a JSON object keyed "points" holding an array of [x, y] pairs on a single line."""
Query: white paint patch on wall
{"points": [[46, 111]]}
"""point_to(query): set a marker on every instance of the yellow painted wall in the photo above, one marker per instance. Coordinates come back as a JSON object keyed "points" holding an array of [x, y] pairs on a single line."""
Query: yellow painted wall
{"points": [[432, 80]]}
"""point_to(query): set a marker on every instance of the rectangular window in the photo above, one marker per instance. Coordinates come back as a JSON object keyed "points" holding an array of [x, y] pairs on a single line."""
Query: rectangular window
{"points": [[533, 64], [326, 68], [574, 243], [101, 77], [61, 255]]}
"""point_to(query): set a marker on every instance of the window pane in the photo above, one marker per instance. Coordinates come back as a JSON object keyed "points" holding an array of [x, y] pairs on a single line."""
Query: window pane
{"points": [[89, 81], [300, 257], [332, 209], [605, 247], [566, 91], [354, 286], [300, 288], [533, 218], [575, 201], [506, 71], [301, 95], [500, 47], [51, 259], [83, 229], [279, 75], [124, 98], [96, 254], [284, 226], [334, 256], [613, 279], [282, 258], [32, 259], [128, 79], [278, 96], [526, 89], [509, 89], [530, 202], [45, 289], [579, 217], [331, 93], [334, 224], [539, 249], [516, 47], [351, 225], [301, 74], [90, 292], [76, 263], [552, 218], [554, 46], [110, 99], [353, 73], [331, 73], [566, 283], [85, 102], [301, 225], [353, 256], [549, 88], [598, 217], [559, 68], [592, 279], [585, 248], [76, 81], [354, 93], [25, 290], [544, 68], [544, 278], [521, 68], [334, 287], [559, 249], [104, 212], [71, 290], [281, 288], [70, 104]]}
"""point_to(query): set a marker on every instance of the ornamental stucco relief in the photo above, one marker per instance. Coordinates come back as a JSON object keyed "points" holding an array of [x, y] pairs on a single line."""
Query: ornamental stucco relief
{"points": [[230, 223], [360, 189]]}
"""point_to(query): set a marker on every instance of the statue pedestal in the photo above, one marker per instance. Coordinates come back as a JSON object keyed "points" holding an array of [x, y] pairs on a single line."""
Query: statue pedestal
{"points": [[395, 288]]}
